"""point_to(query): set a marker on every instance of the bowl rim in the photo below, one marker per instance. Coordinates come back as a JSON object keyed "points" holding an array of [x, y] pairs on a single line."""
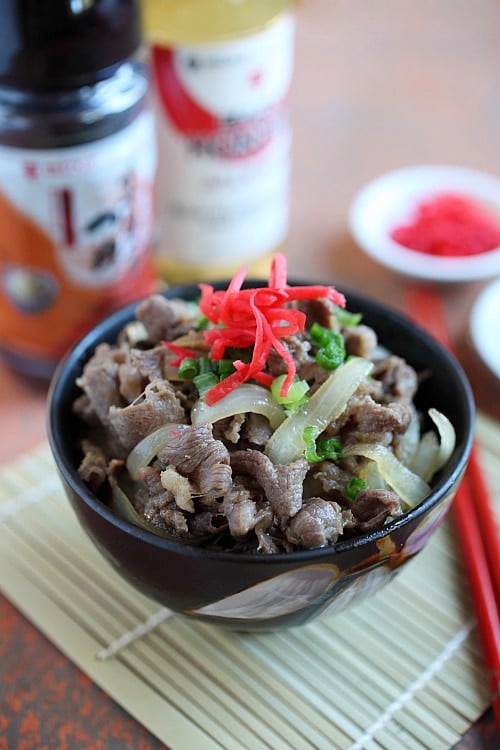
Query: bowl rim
{"points": [[370, 219], [83, 348]]}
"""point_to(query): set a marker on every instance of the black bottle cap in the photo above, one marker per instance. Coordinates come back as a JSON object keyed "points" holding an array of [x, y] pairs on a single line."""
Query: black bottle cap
{"points": [[57, 45]]}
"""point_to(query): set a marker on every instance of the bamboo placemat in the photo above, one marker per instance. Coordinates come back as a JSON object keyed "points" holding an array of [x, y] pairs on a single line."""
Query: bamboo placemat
{"points": [[401, 670]]}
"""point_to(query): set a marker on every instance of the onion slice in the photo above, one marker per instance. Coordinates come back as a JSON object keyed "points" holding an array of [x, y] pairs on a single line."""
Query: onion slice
{"points": [[447, 437], [432, 455], [143, 453], [411, 488], [124, 508], [286, 444], [246, 398], [409, 441]]}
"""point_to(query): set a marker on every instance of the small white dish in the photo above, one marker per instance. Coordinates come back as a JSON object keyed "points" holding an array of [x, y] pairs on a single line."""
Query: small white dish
{"points": [[484, 326], [390, 200]]}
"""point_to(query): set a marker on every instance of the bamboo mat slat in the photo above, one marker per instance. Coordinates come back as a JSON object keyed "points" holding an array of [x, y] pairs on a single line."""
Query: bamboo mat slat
{"points": [[402, 670]]}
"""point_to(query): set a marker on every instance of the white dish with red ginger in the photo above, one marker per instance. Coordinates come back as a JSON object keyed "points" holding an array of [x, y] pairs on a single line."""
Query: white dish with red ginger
{"points": [[394, 200]]}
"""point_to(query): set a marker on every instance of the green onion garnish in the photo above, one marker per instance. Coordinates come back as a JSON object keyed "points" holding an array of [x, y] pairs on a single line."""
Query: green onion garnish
{"points": [[354, 487], [225, 367], [296, 396], [188, 368], [346, 318], [206, 365], [324, 449], [204, 381], [205, 372], [202, 324], [331, 349]]}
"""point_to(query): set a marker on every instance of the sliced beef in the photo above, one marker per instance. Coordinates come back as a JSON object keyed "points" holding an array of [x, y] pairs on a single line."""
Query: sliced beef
{"points": [[156, 496], [240, 510], [229, 429], [193, 340], [132, 383], [163, 318], [298, 346], [269, 543], [84, 410], [159, 406], [151, 363], [196, 454], [314, 374], [282, 484], [371, 387], [256, 429], [371, 508], [144, 366], [250, 428], [360, 340], [158, 505], [93, 467], [318, 523], [187, 394], [180, 487], [365, 420], [99, 381], [398, 378], [206, 523], [320, 311], [332, 478]]}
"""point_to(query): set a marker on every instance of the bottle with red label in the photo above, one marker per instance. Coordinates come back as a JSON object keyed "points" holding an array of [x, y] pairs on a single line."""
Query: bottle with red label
{"points": [[222, 71], [77, 170]]}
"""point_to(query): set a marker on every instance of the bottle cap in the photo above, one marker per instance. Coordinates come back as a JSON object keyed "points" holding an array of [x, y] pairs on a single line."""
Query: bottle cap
{"points": [[72, 43]]}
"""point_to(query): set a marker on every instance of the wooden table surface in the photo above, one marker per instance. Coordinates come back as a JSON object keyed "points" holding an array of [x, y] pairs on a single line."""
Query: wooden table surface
{"points": [[379, 84]]}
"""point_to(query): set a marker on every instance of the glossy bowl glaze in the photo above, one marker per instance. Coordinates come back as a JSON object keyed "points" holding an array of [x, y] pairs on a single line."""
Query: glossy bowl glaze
{"points": [[264, 592]]}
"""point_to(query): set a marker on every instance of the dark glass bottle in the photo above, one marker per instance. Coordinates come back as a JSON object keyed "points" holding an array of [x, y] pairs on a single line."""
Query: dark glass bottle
{"points": [[77, 166]]}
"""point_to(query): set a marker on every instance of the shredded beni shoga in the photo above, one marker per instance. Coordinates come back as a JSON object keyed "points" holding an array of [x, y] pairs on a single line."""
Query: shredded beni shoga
{"points": [[261, 419], [258, 319]]}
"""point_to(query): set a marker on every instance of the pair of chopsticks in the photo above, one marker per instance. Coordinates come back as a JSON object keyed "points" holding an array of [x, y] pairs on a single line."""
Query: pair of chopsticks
{"points": [[473, 515]]}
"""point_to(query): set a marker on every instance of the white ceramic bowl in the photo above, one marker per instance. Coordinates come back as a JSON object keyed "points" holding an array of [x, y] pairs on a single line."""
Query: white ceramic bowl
{"points": [[484, 320], [390, 200]]}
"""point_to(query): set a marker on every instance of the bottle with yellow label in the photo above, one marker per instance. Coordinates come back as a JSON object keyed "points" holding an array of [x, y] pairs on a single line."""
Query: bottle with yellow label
{"points": [[221, 72]]}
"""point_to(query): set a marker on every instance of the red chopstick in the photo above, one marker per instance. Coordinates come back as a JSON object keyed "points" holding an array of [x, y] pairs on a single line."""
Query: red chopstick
{"points": [[489, 529], [473, 515], [482, 588]]}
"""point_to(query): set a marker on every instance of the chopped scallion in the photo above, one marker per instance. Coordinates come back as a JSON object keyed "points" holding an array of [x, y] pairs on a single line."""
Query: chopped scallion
{"points": [[331, 351], [354, 487], [188, 368], [225, 368], [206, 365], [297, 393], [204, 381], [324, 449], [346, 318], [202, 324]]}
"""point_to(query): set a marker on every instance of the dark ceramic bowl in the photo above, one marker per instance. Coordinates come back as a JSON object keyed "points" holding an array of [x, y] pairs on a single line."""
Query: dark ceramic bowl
{"points": [[248, 591]]}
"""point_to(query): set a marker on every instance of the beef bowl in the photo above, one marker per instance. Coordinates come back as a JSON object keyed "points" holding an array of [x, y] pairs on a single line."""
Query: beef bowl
{"points": [[205, 517]]}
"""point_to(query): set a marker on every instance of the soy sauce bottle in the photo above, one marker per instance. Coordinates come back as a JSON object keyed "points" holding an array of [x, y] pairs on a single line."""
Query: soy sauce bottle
{"points": [[77, 167]]}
